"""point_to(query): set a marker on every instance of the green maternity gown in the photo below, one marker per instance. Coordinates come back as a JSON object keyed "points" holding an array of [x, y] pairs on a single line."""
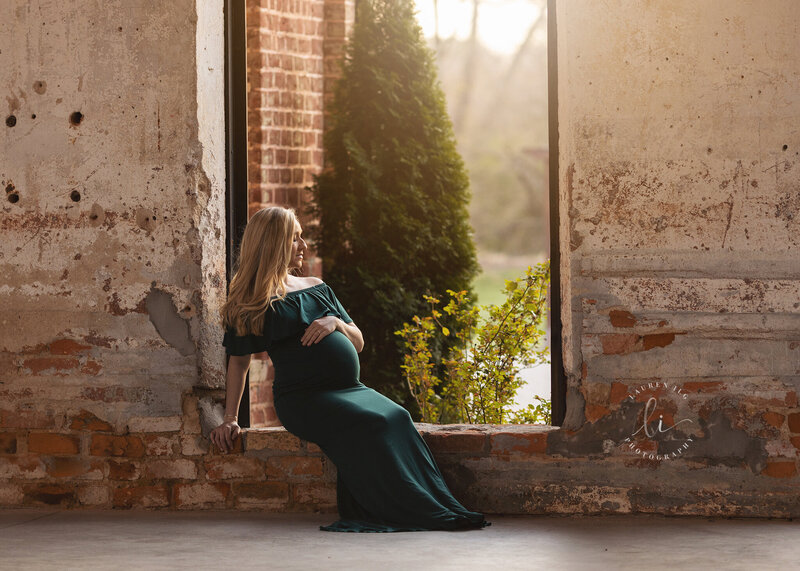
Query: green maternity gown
{"points": [[387, 477]]}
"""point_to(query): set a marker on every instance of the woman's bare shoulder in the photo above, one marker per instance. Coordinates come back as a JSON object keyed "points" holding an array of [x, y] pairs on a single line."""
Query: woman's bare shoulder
{"points": [[312, 281], [298, 282]]}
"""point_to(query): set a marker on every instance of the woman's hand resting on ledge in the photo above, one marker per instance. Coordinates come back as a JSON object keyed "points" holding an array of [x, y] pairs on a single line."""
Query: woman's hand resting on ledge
{"points": [[224, 435]]}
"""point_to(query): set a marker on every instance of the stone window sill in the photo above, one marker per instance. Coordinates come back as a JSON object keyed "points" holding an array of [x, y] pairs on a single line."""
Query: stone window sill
{"points": [[462, 439]]}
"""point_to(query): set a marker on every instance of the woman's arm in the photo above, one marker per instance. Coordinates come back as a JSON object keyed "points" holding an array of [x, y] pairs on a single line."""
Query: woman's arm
{"points": [[352, 332], [224, 435], [234, 383]]}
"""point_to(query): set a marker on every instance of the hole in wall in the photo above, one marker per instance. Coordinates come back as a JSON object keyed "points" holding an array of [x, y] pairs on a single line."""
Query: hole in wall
{"points": [[786, 147], [97, 215], [76, 117], [33, 116], [40, 87], [13, 198], [11, 120], [75, 196], [9, 188]]}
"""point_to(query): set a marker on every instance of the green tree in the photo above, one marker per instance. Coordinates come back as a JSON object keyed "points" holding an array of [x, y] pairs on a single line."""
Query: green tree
{"points": [[392, 201]]}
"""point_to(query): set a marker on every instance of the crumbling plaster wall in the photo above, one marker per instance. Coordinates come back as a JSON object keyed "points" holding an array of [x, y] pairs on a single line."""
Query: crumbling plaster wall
{"points": [[112, 249], [680, 200]]}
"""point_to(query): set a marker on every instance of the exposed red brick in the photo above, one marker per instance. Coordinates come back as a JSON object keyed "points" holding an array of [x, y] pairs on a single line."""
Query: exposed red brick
{"points": [[596, 392], [643, 444], [270, 440], [202, 495], [170, 468], [228, 467], [85, 420], [510, 443], [238, 447], [281, 466], [795, 441], [459, 442], [619, 392], [33, 349], [133, 496], [70, 467], [49, 494], [781, 469], [160, 444], [639, 462], [621, 318], [314, 496], [97, 340], [262, 491], [618, 343], [657, 340], [122, 470], [111, 445], [8, 442], [91, 367], [27, 466], [37, 365], [793, 420], [67, 347], [773, 418], [97, 494], [51, 443], [595, 412]]}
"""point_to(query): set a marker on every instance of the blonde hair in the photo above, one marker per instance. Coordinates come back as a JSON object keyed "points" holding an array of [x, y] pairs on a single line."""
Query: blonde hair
{"points": [[260, 271]]}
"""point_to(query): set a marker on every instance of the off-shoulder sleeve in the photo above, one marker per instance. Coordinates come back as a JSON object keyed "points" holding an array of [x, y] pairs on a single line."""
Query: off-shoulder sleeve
{"points": [[244, 344], [338, 305]]}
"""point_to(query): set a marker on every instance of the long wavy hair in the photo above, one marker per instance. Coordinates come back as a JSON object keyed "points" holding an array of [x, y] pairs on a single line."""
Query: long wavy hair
{"points": [[260, 269]]}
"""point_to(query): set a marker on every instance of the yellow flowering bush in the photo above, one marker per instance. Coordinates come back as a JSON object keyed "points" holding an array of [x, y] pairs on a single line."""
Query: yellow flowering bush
{"points": [[481, 372]]}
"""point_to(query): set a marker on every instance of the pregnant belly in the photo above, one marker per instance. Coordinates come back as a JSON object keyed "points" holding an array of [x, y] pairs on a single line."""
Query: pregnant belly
{"points": [[331, 362]]}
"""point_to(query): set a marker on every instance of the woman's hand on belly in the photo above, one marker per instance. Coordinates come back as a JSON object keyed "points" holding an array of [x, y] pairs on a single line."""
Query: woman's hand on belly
{"points": [[319, 329]]}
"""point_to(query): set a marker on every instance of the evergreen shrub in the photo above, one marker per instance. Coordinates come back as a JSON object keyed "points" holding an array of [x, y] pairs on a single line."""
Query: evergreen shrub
{"points": [[391, 203]]}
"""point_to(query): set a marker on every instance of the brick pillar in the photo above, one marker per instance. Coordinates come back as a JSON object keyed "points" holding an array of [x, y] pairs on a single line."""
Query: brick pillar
{"points": [[293, 50], [339, 19]]}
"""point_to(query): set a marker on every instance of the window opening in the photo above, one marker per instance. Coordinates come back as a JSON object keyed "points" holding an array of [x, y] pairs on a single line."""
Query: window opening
{"points": [[496, 65]]}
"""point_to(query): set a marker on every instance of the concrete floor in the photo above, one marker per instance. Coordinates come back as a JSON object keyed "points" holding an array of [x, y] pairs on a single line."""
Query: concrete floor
{"points": [[34, 539]]}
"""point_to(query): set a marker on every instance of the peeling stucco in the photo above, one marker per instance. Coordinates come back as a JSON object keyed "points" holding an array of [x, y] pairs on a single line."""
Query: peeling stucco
{"points": [[164, 317]]}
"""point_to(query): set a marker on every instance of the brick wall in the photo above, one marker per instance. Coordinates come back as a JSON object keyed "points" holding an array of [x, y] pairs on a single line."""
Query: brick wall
{"points": [[80, 462], [294, 49]]}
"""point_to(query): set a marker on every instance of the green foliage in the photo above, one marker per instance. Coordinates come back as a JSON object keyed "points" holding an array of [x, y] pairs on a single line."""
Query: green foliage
{"points": [[392, 202], [540, 413], [482, 368], [503, 139]]}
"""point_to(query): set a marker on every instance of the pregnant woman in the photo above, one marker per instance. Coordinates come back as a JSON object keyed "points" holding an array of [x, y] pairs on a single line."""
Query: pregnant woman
{"points": [[387, 477]]}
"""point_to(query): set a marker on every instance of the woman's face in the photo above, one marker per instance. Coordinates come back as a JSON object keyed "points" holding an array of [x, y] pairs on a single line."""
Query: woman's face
{"points": [[299, 247]]}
